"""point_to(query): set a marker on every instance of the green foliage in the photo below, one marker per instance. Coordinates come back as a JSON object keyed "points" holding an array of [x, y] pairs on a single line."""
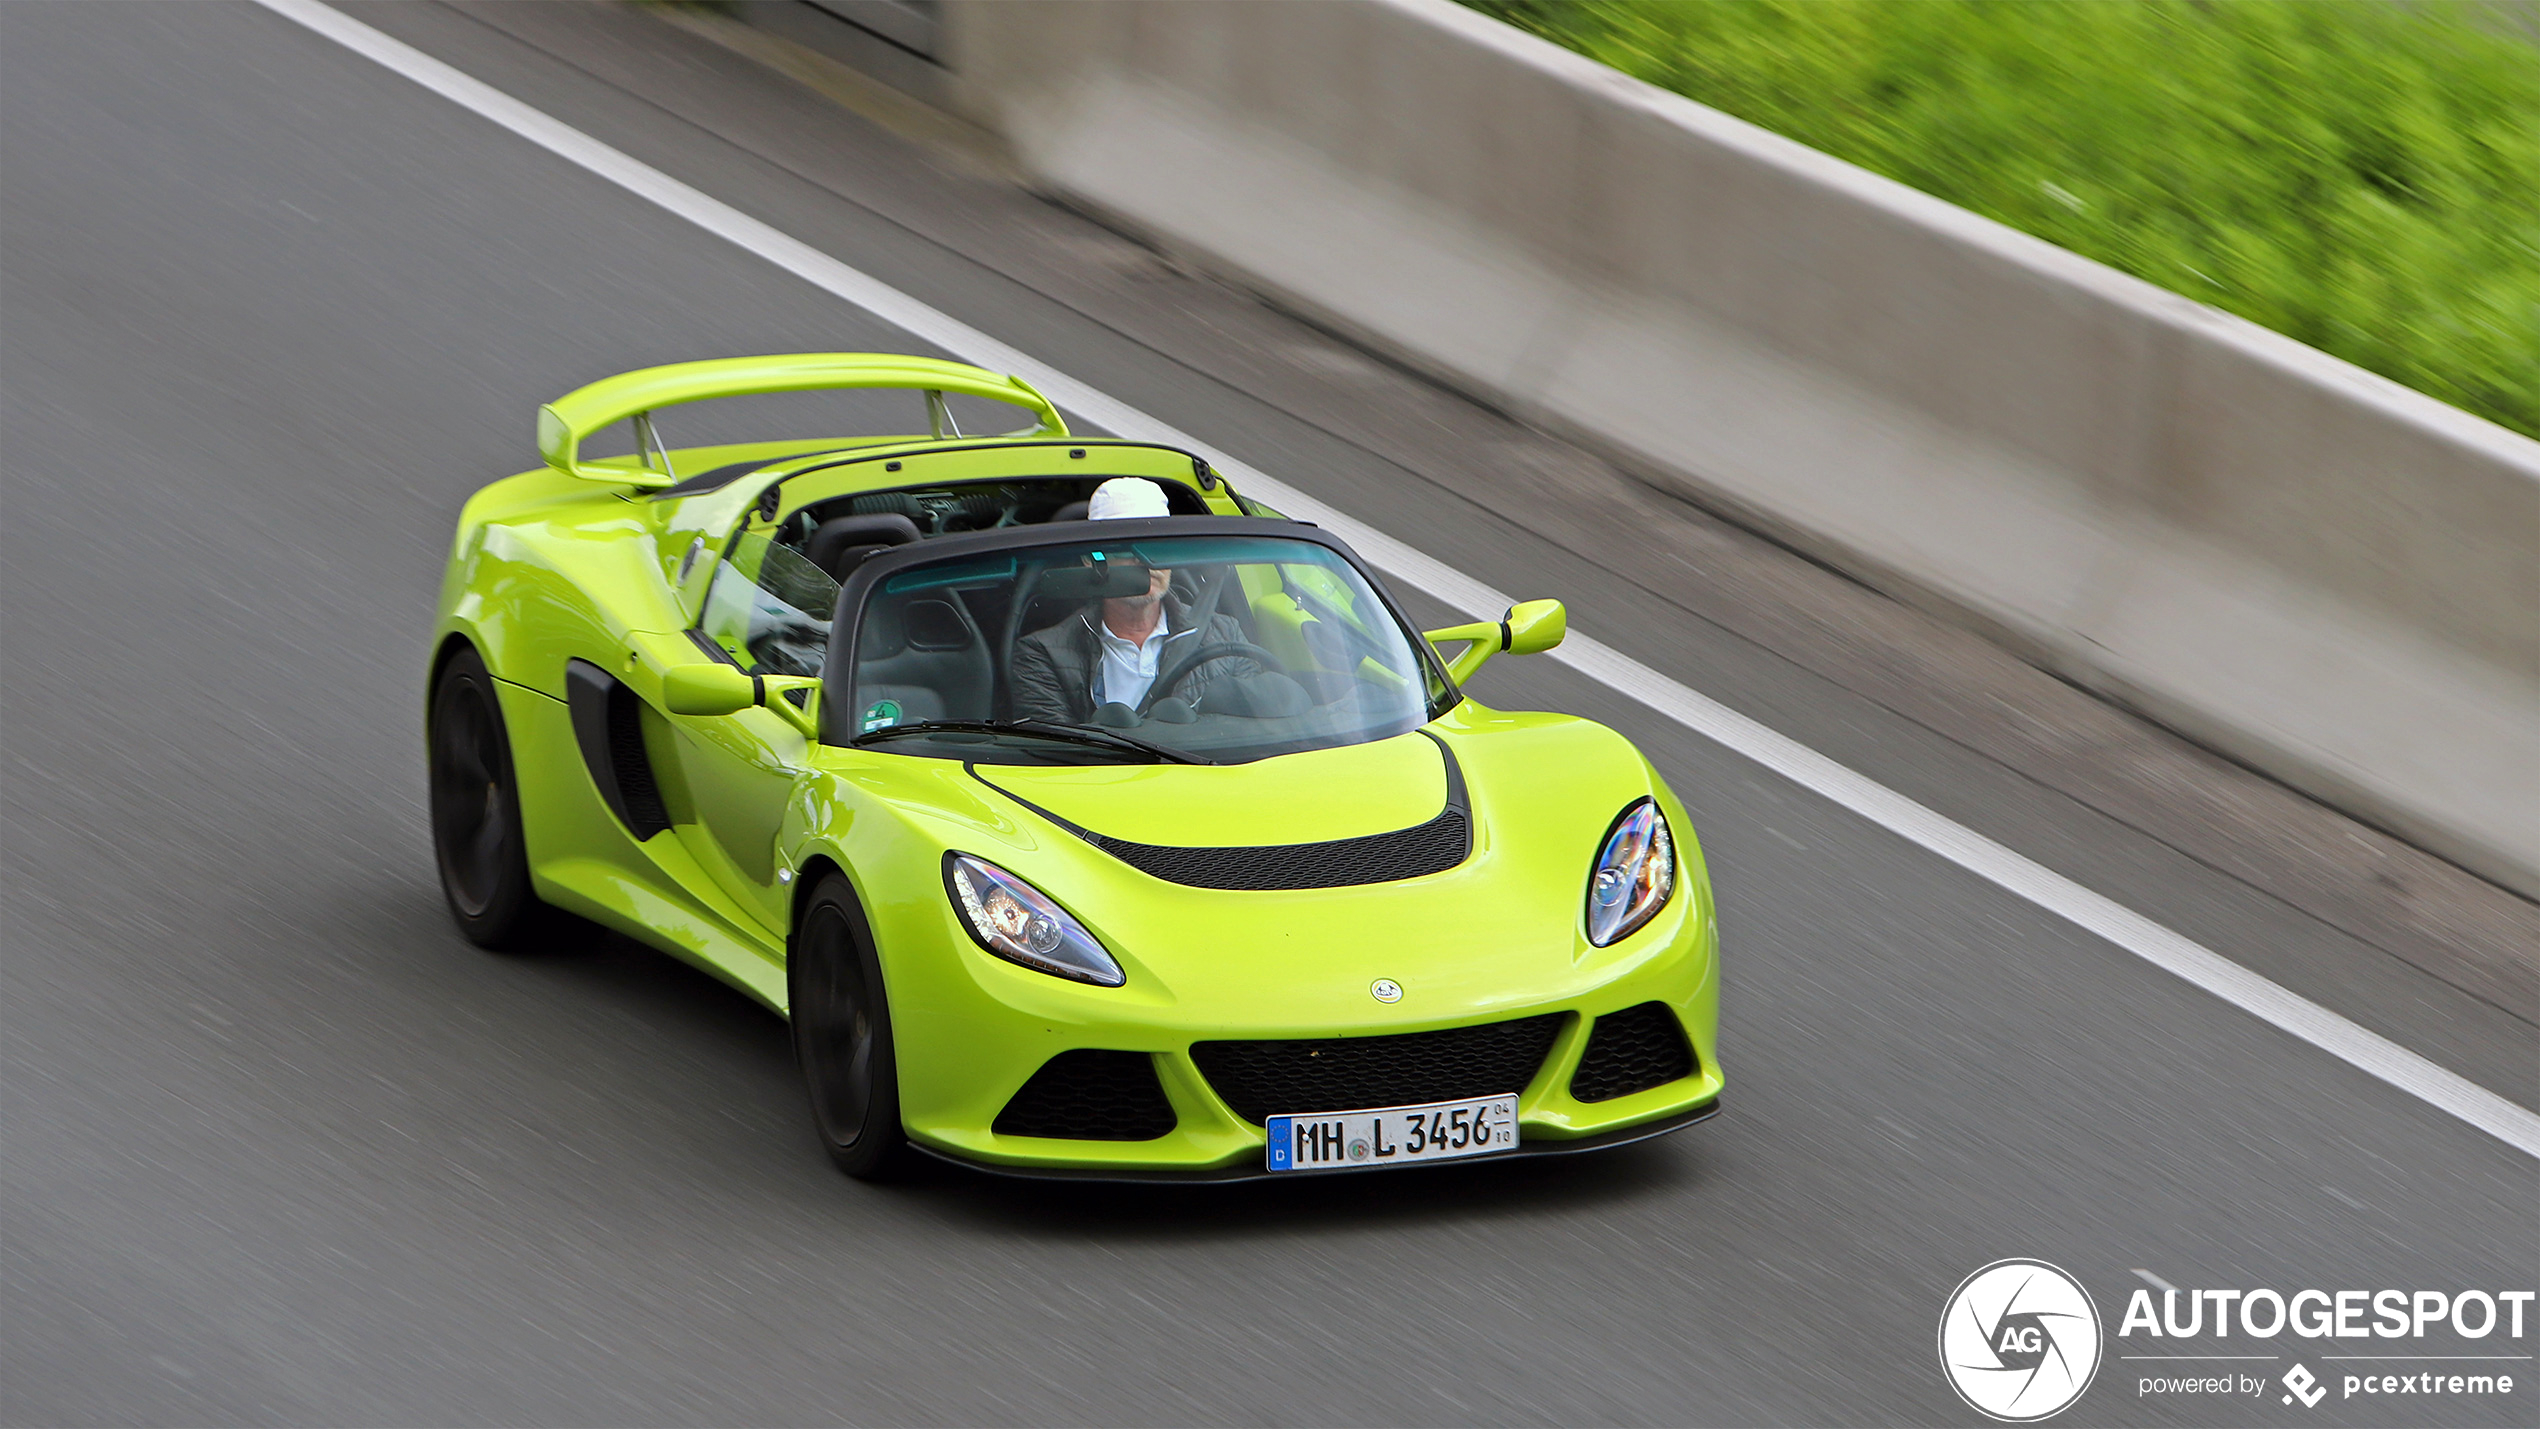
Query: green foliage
{"points": [[2361, 175]]}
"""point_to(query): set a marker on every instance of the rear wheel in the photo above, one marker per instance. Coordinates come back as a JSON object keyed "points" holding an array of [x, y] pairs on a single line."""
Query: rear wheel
{"points": [[842, 1035], [476, 835]]}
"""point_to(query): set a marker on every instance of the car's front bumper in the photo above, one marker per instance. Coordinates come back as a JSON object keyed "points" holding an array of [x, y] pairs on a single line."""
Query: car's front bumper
{"points": [[959, 1073], [1254, 1170]]}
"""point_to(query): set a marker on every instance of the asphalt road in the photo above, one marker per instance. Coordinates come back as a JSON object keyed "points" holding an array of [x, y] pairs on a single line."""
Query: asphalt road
{"points": [[279, 1147]]}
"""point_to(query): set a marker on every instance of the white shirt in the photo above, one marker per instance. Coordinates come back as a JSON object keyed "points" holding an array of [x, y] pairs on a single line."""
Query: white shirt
{"points": [[1128, 668]]}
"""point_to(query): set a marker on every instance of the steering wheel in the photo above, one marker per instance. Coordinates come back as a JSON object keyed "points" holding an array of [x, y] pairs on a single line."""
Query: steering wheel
{"points": [[1166, 684]]}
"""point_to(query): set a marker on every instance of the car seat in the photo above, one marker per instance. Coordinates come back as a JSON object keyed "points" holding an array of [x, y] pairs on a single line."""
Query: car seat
{"points": [[837, 544], [925, 653]]}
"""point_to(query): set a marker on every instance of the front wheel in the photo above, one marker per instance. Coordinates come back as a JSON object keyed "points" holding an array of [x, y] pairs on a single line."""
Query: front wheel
{"points": [[476, 837], [842, 1035]]}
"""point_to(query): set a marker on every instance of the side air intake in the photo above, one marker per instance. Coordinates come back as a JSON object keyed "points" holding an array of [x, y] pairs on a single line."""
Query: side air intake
{"points": [[1090, 1095], [1631, 1051], [608, 725]]}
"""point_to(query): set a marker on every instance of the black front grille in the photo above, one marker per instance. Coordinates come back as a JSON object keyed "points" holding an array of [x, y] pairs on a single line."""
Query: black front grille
{"points": [[1261, 1080], [1631, 1051], [1089, 1095], [1415, 852]]}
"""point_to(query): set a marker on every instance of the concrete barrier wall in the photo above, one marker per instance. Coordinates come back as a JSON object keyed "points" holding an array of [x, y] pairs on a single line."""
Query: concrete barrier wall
{"points": [[2326, 574]]}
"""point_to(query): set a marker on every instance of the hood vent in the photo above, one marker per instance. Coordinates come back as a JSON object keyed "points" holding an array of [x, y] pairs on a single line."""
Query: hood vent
{"points": [[1415, 852], [1434, 846]]}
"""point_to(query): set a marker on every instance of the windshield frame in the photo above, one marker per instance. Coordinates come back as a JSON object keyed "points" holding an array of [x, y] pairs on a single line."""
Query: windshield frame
{"points": [[837, 726]]}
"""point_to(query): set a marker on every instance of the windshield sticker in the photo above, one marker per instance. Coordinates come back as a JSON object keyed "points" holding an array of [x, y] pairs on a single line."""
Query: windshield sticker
{"points": [[881, 714]]}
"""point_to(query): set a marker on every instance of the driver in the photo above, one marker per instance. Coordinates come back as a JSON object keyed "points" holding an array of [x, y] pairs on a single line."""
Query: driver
{"points": [[1111, 651]]}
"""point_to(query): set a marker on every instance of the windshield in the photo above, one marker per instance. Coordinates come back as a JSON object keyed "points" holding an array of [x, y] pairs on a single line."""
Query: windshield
{"points": [[1212, 649]]}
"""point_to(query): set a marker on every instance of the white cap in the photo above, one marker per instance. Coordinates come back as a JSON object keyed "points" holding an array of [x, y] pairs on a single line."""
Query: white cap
{"points": [[1126, 496]]}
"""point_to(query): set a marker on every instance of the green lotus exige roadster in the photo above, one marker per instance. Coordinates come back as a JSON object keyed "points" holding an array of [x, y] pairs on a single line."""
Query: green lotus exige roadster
{"points": [[1150, 847]]}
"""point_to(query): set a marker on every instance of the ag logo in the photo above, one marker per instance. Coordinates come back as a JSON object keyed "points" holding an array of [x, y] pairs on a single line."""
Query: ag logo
{"points": [[2019, 1340]]}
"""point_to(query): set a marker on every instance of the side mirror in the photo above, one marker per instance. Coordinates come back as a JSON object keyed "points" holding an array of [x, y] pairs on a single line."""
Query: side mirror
{"points": [[704, 689], [1529, 628], [1535, 626], [708, 689]]}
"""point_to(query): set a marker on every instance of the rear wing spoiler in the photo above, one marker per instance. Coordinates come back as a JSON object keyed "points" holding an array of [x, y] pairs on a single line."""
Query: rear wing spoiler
{"points": [[565, 422]]}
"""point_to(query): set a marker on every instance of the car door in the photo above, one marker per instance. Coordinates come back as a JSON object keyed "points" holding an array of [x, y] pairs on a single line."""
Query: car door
{"points": [[766, 610]]}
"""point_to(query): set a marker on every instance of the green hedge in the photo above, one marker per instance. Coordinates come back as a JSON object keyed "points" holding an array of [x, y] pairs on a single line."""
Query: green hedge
{"points": [[2362, 175]]}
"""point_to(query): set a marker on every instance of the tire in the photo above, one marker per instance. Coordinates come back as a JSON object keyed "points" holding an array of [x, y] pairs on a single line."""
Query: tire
{"points": [[476, 838], [841, 1020]]}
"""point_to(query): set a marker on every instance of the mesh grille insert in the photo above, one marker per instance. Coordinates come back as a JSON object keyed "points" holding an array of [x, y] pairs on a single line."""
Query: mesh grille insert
{"points": [[1264, 1079], [1089, 1095], [1631, 1051], [632, 766], [1415, 852]]}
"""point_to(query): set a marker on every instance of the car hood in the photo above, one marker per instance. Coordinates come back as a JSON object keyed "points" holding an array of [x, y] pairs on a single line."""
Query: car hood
{"points": [[1497, 932], [1348, 792]]}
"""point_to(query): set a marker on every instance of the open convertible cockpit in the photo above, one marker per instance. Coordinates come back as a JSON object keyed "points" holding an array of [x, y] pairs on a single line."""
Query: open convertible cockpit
{"points": [[1204, 638]]}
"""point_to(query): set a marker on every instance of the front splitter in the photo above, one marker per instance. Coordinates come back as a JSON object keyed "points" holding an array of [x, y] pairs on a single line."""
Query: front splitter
{"points": [[1604, 1141]]}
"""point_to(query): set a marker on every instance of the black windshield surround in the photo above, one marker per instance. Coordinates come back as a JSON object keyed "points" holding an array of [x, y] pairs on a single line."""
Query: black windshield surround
{"points": [[837, 703]]}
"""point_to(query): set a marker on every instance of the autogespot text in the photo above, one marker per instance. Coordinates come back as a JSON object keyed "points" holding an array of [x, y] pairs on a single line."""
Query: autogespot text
{"points": [[2456, 1343]]}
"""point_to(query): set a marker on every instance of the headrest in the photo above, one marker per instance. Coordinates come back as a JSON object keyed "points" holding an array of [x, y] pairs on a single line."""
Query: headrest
{"points": [[926, 622], [842, 540]]}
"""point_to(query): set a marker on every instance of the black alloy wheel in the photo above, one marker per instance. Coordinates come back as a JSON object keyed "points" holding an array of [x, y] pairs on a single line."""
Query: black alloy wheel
{"points": [[476, 836], [842, 1035]]}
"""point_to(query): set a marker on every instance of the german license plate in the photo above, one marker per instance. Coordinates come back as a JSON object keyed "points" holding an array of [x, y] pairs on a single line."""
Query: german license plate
{"points": [[1392, 1136]]}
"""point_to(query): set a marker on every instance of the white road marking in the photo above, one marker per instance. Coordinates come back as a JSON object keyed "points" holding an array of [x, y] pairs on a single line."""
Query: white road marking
{"points": [[2378, 1055]]}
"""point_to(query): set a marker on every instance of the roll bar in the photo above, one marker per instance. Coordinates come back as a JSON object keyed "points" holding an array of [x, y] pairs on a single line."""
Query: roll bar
{"points": [[565, 422]]}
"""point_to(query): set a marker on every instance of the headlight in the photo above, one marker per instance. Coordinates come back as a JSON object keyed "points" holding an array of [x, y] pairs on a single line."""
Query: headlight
{"points": [[1013, 920], [1635, 872]]}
